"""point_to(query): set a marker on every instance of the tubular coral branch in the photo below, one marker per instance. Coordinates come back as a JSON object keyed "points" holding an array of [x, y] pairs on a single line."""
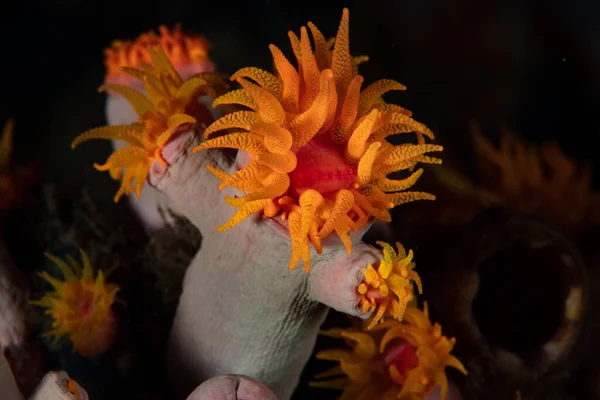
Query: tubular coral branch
{"points": [[314, 123], [388, 288], [396, 360], [81, 306], [169, 107], [184, 51]]}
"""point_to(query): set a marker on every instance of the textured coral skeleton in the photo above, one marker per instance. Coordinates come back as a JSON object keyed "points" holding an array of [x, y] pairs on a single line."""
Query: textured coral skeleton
{"points": [[388, 288], [170, 106], [317, 143], [395, 360], [81, 306]]}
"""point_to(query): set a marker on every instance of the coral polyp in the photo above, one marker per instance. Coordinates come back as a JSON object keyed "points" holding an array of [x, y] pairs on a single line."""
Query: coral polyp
{"points": [[170, 106], [188, 53], [534, 179], [396, 360], [319, 157], [81, 306], [388, 289]]}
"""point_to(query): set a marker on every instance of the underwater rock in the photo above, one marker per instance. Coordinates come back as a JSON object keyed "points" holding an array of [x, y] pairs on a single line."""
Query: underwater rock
{"points": [[513, 291]]}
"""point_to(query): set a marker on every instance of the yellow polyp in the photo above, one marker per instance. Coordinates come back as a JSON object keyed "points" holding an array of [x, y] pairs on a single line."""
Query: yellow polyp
{"points": [[81, 307], [368, 370], [318, 105], [389, 282], [161, 112]]}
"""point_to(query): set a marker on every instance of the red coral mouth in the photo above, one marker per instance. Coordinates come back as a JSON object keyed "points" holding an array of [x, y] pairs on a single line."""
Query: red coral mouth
{"points": [[402, 355], [322, 167]]}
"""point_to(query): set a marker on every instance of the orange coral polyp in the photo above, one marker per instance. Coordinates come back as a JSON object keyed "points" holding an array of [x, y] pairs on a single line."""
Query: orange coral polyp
{"points": [[168, 107], [396, 360], [388, 286], [185, 52], [319, 155], [81, 307]]}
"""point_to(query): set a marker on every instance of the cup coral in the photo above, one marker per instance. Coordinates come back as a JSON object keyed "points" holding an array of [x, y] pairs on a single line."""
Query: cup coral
{"points": [[388, 288], [396, 360], [317, 144], [170, 106], [81, 306]]}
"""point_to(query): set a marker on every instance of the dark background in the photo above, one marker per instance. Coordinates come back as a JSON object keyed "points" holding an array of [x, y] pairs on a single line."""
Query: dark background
{"points": [[534, 65], [531, 65]]}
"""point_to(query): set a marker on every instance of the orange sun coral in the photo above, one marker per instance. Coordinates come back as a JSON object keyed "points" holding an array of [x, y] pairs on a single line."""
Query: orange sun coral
{"points": [[389, 287], [319, 155], [396, 360], [80, 306], [188, 53], [531, 179], [12, 183], [170, 107]]}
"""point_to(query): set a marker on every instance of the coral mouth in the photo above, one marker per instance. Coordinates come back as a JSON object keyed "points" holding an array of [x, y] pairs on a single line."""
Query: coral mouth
{"points": [[401, 355], [322, 167]]}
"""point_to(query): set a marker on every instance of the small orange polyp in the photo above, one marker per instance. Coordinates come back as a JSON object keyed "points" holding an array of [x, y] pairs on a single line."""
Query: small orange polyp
{"points": [[310, 129], [387, 287], [187, 53], [81, 307]]}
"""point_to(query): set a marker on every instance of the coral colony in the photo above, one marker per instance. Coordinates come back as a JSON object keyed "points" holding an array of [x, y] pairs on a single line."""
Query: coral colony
{"points": [[318, 161]]}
